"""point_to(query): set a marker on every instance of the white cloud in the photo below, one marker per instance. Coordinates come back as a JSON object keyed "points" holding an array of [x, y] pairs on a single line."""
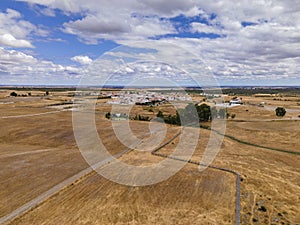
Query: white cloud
{"points": [[20, 68], [83, 60], [204, 28], [9, 40], [94, 27], [48, 12], [12, 57], [15, 32], [268, 49]]}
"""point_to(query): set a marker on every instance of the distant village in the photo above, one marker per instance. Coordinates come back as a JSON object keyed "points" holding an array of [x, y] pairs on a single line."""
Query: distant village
{"points": [[145, 98]]}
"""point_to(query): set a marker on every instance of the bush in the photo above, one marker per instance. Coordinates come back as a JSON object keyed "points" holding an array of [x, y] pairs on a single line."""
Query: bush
{"points": [[280, 111], [108, 115], [262, 208], [160, 114], [14, 94]]}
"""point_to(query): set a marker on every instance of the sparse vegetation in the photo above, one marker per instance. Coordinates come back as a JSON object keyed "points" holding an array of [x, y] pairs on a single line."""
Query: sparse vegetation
{"points": [[108, 115], [245, 149], [262, 208], [280, 111], [13, 94]]}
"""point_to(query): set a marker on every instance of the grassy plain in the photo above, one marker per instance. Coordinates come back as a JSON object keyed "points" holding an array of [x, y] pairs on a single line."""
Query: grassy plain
{"points": [[38, 150]]}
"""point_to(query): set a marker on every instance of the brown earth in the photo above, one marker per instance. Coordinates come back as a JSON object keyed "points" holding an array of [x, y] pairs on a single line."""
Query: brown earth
{"points": [[38, 152]]}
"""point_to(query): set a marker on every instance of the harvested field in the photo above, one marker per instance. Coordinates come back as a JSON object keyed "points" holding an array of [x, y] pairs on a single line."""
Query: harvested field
{"points": [[38, 150]]}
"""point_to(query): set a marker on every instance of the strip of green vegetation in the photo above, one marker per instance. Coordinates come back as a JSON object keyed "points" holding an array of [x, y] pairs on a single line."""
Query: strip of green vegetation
{"points": [[38, 89], [251, 91]]}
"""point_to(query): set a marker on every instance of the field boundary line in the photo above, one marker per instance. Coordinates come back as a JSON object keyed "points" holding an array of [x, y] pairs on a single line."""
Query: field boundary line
{"points": [[29, 115], [238, 177], [61, 186]]}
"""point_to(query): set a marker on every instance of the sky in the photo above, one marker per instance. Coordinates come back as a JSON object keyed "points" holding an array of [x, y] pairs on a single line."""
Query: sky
{"points": [[57, 42]]}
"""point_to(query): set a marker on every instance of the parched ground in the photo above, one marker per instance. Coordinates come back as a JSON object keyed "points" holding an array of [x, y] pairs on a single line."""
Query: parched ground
{"points": [[186, 198], [39, 151]]}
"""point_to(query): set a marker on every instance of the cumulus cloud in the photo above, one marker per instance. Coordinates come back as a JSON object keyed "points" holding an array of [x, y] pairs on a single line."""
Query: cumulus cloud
{"points": [[94, 27], [83, 60], [15, 32], [204, 28], [9, 40], [259, 39], [22, 68]]}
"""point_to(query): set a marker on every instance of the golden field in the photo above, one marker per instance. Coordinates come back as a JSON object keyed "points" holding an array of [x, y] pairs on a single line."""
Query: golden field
{"points": [[38, 151]]}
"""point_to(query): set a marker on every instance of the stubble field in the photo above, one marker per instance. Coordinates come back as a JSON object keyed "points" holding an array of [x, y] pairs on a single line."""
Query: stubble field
{"points": [[38, 151]]}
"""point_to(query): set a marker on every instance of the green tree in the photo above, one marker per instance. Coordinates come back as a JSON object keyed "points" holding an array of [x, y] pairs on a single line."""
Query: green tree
{"points": [[204, 112], [108, 115], [14, 94], [160, 114], [280, 111]]}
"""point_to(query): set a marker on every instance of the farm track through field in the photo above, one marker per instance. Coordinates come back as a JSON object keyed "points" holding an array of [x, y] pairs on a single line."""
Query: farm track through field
{"points": [[28, 152], [29, 115], [61, 186], [238, 178]]}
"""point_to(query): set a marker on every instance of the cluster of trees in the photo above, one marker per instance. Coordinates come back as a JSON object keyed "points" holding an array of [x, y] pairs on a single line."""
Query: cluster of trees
{"points": [[190, 115], [151, 103], [193, 114], [116, 116], [14, 94], [252, 91], [170, 119], [141, 118]]}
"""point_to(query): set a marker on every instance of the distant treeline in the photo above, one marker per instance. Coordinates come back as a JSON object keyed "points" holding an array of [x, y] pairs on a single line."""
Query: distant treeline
{"points": [[225, 90], [42, 89], [253, 91]]}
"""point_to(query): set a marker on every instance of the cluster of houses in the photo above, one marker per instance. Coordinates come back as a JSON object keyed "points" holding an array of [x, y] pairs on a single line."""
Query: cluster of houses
{"points": [[146, 98]]}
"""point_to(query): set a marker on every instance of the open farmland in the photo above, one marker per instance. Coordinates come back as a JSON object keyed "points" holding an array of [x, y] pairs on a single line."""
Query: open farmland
{"points": [[39, 151]]}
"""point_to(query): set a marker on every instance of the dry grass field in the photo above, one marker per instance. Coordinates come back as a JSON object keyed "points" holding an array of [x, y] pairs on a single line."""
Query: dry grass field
{"points": [[38, 150]]}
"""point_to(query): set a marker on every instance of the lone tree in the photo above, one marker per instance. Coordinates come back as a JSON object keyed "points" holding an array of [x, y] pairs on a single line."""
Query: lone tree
{"points": [[204, 113], [14, 94], [280, 111], [108, 115], [160, 114]]}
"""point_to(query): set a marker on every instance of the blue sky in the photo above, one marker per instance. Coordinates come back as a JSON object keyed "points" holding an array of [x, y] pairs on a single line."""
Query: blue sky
{"points": [[55, 41]]}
